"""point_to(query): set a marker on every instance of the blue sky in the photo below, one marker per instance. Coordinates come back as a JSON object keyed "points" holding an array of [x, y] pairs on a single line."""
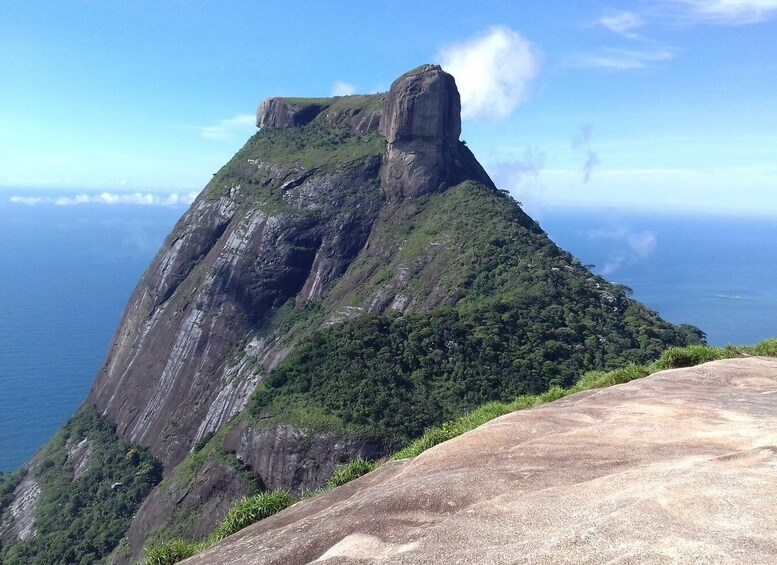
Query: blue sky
{"points": [[652, 104]]}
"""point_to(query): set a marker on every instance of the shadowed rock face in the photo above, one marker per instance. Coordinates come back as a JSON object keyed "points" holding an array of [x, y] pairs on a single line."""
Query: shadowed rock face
{"points": [[168, 379], [672, 468], [422, 125], [308, 458], [279, 113]]}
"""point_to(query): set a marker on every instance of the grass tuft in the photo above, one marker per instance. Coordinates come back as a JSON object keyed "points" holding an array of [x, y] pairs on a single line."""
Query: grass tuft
{"points": [[242, 514], [767, 348], [677, 357], [350, 471], [601, 379], [171, 552], [251, 510]]}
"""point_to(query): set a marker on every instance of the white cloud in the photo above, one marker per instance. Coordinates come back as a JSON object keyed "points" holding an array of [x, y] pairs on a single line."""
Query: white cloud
{"points": [[518, 170], [519, 174], [630, 247], [137, 198], [342, 89], [493, 72], [726, 12], [243, 124], [623, 23], [624, 59], [28, 200]]}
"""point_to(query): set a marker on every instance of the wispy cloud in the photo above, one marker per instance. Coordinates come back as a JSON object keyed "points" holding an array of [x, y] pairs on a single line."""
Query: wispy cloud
{"points": [[629, 247], [723, 12], [510, 173], [583, 142], [519, 175], [493, 72], [340, 88], [243, 124], [623, 23], [136, 198], [624, 59]]}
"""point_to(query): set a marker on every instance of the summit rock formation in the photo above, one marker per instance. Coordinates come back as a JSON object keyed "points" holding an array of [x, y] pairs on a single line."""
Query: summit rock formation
{"points": [[349, 278]]}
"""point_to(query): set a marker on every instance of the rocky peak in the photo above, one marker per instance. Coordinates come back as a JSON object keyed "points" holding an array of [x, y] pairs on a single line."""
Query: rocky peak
{"points": [[283, 113], [420, 118], [423, 104], [422, 124]]}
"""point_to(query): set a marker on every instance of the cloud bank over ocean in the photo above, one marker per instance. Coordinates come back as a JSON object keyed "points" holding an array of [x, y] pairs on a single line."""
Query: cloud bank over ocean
{"points": [[112, 198]]}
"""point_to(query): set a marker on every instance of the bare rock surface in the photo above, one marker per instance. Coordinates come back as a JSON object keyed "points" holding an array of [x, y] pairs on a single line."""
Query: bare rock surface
{"points": [[678, 467], [287, 458], [167, 380], [20, 522], [421, 124], [279, 113]]}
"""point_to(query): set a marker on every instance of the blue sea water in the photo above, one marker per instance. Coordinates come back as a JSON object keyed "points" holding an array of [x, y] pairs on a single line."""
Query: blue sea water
{"points": [[66, 273]]}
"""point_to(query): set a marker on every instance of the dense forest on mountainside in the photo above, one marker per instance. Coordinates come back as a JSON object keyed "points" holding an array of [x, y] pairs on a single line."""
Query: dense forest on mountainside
{"points": [[530, 317]]}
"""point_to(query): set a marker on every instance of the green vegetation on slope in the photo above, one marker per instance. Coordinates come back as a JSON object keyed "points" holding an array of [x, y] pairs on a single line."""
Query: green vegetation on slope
{"points": [[8, 483], [81, 519], [318, 145], [673, 358], [527, 317]]}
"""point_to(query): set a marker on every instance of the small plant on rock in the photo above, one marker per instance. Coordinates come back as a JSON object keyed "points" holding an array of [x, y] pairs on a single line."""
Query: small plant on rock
{"points": [[350, 471]]}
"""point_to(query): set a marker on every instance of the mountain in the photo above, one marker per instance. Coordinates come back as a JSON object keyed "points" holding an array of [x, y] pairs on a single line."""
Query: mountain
{"points": [[350, 278]]}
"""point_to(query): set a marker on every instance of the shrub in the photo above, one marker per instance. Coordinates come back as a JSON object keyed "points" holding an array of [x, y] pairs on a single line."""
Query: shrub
{"points": [[170, 552], [677, 357], [350, 471], [250, 510], [767, 348]]}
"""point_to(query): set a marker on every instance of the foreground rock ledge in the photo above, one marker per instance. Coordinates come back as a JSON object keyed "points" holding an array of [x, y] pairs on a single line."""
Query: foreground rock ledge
{"points": [[679, 467]]}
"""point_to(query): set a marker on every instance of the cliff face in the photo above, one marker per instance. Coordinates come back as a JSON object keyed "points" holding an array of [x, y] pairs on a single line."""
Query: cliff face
{"points": [[171, 375], [421, 125], [355, 276]]}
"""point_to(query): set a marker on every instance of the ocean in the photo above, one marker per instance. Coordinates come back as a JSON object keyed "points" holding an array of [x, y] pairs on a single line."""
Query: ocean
{"points": [[67, 271]]}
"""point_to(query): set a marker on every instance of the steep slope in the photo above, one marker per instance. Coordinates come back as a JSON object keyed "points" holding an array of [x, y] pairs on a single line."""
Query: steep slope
{"points": [[671, 468], [354, 268]]}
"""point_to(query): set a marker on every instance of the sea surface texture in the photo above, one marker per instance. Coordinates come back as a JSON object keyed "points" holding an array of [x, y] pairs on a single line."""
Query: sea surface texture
{"points": [[66, 273]]}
